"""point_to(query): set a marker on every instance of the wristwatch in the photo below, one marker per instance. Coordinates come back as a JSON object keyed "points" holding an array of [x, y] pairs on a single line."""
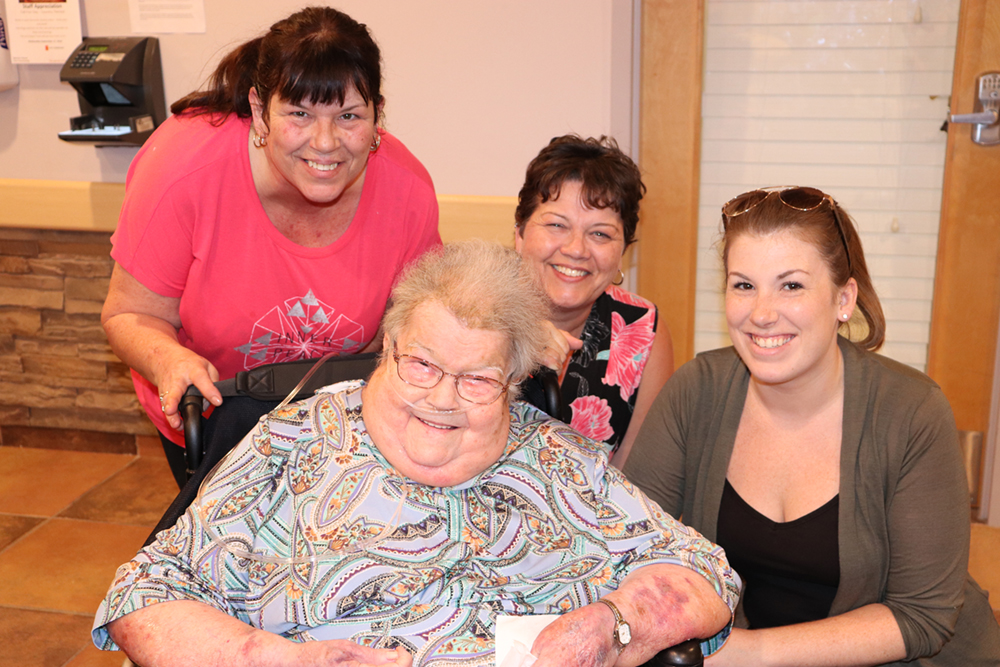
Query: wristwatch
{"points": [[623, 631]]}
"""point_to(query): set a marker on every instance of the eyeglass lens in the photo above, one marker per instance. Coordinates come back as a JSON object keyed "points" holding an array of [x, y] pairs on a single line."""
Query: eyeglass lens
{"points": [[804, 199], [744, 202], [421, 373]]}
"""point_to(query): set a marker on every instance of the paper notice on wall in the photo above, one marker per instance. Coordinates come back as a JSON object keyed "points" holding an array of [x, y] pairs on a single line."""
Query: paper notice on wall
{"points": [[42, 31], [166, 16], [8, 70]]}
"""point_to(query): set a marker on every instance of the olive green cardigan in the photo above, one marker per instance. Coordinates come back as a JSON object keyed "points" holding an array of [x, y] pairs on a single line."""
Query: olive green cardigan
{"points": [[904, 506]]}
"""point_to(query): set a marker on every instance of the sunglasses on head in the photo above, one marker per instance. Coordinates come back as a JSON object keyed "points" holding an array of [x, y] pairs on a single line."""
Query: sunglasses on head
{"points": [[795, 197]]}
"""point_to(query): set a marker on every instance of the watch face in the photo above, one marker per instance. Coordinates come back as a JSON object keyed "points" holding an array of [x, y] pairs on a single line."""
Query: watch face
{"points": [[624, 633]]}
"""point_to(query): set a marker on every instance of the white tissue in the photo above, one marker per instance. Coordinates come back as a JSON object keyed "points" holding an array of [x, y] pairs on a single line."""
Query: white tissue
{"points": [[515, 635], [518, 656]]}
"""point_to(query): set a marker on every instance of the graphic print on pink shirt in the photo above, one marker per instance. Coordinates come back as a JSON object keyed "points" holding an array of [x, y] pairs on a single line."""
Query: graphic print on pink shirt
{"points": [[303, 328]]}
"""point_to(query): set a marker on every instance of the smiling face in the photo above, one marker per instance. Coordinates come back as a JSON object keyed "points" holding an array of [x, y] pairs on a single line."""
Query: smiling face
{"points": [[438, 448], [314, 151], [783, 308], [574, 251]]}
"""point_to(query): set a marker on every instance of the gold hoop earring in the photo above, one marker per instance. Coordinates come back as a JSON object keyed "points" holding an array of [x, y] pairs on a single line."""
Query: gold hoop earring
{"points": [[621, 278], [258, 141], [376, 142]]}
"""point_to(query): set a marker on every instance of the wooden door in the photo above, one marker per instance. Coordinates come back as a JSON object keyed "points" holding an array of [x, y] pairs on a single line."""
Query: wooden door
{"points": [[670, 159], [963, 338]]}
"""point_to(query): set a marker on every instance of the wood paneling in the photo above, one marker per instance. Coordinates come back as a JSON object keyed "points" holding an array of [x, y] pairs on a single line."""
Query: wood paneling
{"points": [[967, 283], [669, 156]]}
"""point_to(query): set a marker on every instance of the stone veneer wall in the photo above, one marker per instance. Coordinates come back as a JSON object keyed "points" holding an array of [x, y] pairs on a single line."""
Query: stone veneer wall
{"points": [[56, 367]]}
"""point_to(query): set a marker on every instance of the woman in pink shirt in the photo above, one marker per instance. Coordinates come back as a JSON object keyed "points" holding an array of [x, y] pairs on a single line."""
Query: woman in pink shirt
{"points": [[266, 220]]}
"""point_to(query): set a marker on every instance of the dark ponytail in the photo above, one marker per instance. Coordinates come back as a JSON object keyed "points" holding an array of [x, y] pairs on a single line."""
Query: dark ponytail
{"points": [[317, 53], [228, 88]]}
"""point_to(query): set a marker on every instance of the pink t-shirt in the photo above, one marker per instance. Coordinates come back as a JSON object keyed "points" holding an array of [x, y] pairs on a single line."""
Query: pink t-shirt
{"points": [[192, 226]]}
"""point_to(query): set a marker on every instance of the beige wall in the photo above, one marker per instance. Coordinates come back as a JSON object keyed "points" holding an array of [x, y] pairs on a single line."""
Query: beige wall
{"points": [[474, 89]]}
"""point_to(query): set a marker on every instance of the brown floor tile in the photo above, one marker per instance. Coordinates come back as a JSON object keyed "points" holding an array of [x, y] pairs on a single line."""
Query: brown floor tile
{"points": [[149, 446], [137, 495], [66, 564], [984, 560], [13, 526], [41, 638], [42, 482], [72, 439], [95, 657]]}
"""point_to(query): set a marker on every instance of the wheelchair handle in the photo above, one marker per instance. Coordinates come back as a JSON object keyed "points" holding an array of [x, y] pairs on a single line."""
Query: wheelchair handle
{"points": [[686, 654], [190, 409], [551, 391]]}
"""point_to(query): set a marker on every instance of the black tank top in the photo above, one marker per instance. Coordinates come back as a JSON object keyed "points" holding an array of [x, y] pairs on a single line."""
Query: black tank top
{"points": [[790, 570]]}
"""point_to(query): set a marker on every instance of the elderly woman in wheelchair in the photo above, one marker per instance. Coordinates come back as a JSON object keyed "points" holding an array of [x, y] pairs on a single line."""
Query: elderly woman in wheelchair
{"points": [[393, 521]]}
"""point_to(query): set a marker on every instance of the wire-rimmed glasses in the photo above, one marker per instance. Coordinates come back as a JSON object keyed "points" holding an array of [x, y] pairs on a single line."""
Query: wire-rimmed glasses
{"points": [[422, 373]]}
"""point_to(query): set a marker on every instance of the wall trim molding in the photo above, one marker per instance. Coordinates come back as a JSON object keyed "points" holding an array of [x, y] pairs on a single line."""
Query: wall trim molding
{"points": [[60, 205], [94, 207], [468, 216]]}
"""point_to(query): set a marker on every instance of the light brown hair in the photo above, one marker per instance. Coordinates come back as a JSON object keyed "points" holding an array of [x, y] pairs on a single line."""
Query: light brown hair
{"points": [[837, 242]]}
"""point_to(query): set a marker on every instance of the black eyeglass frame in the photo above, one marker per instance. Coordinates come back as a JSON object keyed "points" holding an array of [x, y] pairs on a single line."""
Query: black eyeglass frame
{"points": [[502, 387], [786, 196]]}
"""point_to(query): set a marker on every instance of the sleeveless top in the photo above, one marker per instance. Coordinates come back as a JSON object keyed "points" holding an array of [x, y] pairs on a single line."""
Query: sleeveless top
{"points": [[790, 570], [602, 379]]}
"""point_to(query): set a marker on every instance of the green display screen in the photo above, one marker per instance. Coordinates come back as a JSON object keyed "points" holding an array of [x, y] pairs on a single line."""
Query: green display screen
{"points": [[98, 48]]}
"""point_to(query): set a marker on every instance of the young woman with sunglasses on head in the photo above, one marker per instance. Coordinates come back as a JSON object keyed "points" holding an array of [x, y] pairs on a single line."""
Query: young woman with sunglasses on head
{"points": [[831, 475]]}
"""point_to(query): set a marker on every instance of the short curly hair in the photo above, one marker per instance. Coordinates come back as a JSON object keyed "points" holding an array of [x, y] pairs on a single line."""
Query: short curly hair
{"points": [[485, 286], [609, 179]]}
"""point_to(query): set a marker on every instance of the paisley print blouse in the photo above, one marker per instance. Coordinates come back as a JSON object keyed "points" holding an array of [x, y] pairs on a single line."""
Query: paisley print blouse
{"points": [[306, 531]]}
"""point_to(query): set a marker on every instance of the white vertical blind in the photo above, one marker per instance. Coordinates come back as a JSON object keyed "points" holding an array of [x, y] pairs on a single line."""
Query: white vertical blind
{"points": [[845, 95]]}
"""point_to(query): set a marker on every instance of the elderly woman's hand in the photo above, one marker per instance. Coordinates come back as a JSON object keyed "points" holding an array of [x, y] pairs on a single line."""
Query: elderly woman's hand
{"points": [[560, 345], [581, 638]]}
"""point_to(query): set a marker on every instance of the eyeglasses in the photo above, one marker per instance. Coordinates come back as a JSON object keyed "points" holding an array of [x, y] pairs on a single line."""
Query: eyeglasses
{"points": [[422, 373], [798, 198]]}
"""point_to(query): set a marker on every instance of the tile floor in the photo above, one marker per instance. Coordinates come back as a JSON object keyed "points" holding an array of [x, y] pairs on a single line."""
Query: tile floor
{"points": [[68, 519]]}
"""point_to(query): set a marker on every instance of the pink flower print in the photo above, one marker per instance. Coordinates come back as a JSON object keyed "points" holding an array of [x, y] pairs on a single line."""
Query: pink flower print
{"points": [[624, 296], [629, 351], [592, 417]]}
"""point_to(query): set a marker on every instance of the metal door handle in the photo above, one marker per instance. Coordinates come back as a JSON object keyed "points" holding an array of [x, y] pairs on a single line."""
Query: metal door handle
{"points": [[988, 117], [985, 128]]}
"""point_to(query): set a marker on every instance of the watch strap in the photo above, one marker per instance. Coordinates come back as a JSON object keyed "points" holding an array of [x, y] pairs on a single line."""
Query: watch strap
{"points": [[619, 622]]}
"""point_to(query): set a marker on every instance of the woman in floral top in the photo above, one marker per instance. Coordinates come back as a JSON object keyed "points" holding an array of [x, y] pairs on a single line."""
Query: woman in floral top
{"points": [[577, 213]]}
